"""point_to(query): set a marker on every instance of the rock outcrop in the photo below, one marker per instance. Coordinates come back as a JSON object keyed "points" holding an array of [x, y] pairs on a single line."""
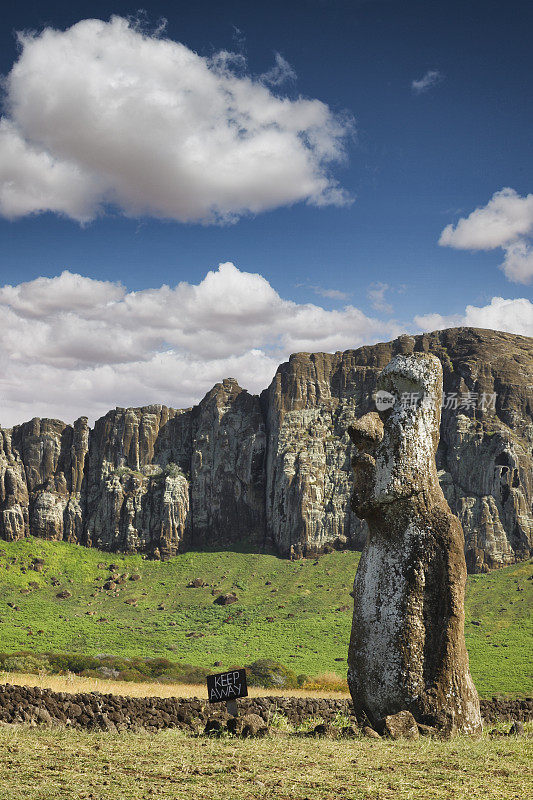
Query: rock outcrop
{"points": [[407, 651], [275, 470], [484, 458]]}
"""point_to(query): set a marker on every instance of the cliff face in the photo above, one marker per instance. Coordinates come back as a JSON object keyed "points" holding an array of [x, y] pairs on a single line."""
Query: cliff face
{"points": [[276, 469]]}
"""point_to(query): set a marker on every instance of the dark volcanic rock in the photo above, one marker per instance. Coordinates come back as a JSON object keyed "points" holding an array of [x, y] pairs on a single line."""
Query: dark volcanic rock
{"points": [[225, 599], [276, 469], [407, 649], [196, 583]]}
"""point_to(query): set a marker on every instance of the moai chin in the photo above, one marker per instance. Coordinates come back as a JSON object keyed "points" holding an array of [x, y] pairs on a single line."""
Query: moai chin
{"points": [[407, 648]]}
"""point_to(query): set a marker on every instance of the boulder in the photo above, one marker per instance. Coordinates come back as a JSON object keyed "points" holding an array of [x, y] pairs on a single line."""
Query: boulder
{"points": [[196, 583], [213, 727], [400, 726], [225, 599], [370, 733], [248, 725], [517, 729]]}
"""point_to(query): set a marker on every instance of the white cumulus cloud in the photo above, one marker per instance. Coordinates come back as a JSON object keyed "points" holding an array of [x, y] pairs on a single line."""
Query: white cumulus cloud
{"points": [[512, 316], [507, 222], [104, 113], [73, 345]]}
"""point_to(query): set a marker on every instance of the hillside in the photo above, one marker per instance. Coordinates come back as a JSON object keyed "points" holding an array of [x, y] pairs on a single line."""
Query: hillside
{"points": [[297, 612], [274, 471]]}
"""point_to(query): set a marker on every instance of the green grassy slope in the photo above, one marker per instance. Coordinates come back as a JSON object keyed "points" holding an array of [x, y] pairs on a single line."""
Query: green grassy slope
{"points": [[298, 613]]}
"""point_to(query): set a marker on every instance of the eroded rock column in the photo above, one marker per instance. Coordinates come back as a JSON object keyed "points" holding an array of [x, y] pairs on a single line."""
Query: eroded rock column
{"points": [[407, 648]]}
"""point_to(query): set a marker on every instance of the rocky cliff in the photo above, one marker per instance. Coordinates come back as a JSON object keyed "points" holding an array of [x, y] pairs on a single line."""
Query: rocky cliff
{"points": [[275, 470]]}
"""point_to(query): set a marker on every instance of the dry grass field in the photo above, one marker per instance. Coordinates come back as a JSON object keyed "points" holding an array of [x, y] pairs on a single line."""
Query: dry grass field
{"points": [[63, 764], [74, 684]]}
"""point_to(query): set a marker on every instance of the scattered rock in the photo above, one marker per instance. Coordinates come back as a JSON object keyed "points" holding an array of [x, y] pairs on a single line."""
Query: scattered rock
{"points": [[226, 599], [428, 730], [196, 583], [401, 726], [350, 731], [370, 732], [517, 729], [213, 727], [41, 715], [64, 595], [249, 725], [322, 729], [135, 577]]}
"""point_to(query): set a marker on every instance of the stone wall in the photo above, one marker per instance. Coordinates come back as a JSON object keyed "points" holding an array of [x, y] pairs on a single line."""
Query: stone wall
{"points": [[92, 710]]}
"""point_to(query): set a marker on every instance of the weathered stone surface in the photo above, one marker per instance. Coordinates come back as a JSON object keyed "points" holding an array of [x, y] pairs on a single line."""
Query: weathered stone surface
{"points": [[248, 725], [370, 733], [401, 726], [485, 457], [407, 650], [276, 470], [228, 468]]}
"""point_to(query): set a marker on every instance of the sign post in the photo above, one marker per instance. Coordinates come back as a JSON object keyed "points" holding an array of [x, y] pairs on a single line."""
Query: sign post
{"points": [[227, 687]]}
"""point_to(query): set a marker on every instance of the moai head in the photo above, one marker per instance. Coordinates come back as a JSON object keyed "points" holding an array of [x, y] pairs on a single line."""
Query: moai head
{"points": [[395, 455]]}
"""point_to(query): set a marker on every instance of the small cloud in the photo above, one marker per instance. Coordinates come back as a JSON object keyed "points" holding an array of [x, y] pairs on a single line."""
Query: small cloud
{"points": [[376, 295], [281, 72], [239, 37], [427, 81], [332, 294]]}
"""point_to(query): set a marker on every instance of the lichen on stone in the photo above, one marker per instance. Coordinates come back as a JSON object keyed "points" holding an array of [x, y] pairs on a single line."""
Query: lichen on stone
{"points": [[407, 650]]}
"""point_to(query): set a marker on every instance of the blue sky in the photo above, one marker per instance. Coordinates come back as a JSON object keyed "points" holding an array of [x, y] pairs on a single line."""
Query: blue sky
{"points": [[431, 106]]}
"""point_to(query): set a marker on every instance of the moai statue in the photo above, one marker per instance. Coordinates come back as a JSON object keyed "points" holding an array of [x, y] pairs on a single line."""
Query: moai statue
{"points": [[407, 648]]}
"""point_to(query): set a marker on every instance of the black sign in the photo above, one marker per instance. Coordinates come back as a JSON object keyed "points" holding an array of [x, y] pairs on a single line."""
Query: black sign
{"points": [[227, 686]]}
